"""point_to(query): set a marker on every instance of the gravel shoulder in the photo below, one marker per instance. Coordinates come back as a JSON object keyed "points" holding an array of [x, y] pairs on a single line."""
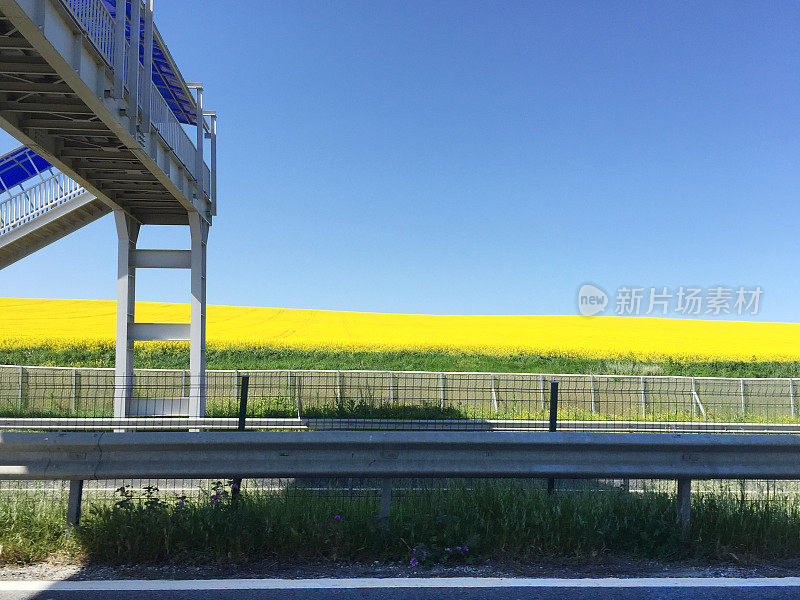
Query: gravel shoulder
{"points": [[562, 568]]}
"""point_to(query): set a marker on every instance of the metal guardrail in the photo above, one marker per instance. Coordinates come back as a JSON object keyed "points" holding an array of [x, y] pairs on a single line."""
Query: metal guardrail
{"points": [[150, 455], [393, 454], [330, 424]]}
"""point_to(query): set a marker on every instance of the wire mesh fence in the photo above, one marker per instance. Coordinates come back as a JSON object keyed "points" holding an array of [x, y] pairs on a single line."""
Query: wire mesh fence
{"points": [[54, 398], [93, 399]]}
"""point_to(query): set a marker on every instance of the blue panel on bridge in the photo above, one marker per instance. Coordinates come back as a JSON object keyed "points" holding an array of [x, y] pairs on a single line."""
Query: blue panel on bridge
{"points": [[164, 78], [20, 165]]}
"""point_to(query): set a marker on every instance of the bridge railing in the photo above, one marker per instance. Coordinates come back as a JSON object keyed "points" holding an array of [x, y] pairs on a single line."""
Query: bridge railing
{"points": [[36, 200], [175, 136], [98, 24]]}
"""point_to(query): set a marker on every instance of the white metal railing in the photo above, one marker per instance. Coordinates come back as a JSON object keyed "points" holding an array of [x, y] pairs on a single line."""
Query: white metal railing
{"points": [[173, 133], [98, 24], [37, 200]]}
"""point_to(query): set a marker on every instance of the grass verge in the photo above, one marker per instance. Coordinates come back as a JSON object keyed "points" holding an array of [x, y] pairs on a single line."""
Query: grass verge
{"points": [[488, 520]]}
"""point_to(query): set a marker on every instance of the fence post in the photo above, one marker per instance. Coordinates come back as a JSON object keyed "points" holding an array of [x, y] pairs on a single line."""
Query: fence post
{"points": [[551, 482], [591, 389], [21, 375], [338, 386], [74, 389], [791, 397], [494, 395], [391, 389], [741, 388], [644, 401], [237, 483], [696, 402], [541, 393], [441, 391], [386, 501], [684, 505], [74, 502]]}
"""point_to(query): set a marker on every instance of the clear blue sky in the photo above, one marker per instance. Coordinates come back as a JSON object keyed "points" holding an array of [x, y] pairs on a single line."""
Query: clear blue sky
{"points": [[479, 157]]}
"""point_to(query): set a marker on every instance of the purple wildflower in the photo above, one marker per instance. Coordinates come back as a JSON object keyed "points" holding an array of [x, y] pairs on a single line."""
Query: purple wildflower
{"points": [[447, 550], [458, 548], [413, 562], [466, 549], [336, 517]]}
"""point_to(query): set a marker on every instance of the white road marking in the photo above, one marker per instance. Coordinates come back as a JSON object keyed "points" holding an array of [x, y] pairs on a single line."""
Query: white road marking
{"points": [[394, 582]]}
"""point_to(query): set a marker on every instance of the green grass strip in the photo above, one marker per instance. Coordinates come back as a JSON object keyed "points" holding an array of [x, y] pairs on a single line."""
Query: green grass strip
{"points": [[176, 356], [460, 524]]}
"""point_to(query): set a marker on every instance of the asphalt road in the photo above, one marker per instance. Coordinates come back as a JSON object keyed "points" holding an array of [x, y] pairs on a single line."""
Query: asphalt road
{"points": [[410, 589]]}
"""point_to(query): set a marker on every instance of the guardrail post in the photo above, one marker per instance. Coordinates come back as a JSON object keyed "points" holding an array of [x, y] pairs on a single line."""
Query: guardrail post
{"points": [[74, 502], [684, 505], [237, 482], [551, 482], [386, 501]]}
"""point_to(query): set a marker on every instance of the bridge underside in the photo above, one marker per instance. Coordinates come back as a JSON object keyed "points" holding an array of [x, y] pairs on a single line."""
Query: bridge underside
{"points": [[46, 104]]}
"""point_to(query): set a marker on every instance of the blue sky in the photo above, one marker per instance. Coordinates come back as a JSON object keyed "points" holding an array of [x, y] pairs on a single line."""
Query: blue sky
{"points": [[479, 157]]}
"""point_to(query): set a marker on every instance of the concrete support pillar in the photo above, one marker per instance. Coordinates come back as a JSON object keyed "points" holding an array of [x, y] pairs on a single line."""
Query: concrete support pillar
{"points": [[197, 329], [127, 235]]}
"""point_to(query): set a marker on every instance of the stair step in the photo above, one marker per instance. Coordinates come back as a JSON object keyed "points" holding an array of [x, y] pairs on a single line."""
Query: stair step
{"points": [[176, 406]]}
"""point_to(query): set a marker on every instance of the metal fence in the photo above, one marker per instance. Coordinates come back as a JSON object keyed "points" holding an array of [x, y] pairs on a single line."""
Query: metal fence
{"points": [[56, 398]]}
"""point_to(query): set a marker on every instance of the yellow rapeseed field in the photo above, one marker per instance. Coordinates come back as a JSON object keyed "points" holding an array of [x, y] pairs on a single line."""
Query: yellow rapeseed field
{"points": [[25, 322]]}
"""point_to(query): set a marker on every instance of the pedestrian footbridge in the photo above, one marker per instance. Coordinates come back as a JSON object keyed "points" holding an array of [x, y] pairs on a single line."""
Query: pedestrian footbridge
{"points": [[108, 124]]}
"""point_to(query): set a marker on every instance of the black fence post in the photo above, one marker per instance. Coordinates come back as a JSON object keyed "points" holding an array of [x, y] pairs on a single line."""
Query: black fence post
{"points": [[74, 503], [551, 482], [236, 484]]}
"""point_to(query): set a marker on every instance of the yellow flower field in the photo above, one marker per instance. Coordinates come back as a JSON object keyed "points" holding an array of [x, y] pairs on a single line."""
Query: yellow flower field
{"points": [[67, 322]]}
